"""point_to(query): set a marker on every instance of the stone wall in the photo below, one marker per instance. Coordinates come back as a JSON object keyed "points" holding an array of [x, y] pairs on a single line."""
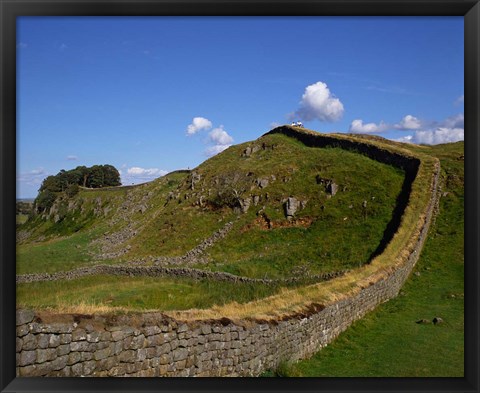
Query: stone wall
{"points": [[153, 344], [175, 272]]}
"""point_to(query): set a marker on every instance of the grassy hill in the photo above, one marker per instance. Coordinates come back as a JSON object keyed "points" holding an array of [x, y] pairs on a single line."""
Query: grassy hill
{"points": [[169, 217], [269, 209], [373, 346]]}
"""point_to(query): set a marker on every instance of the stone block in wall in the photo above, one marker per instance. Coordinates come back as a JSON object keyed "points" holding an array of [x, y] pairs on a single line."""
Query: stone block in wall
{"points": [[27, 358], [163, 349], [60, 362], [118, 370], [77, 370], [65, 338], [89, 367], [74, 357], [102, 353], [54, 341], [79, 346], [45, 355], [206, 329], [155, 340], [166, 358], [93, 337], [127, 356], [18, 344], [24, 316], [29, 342], [106, 364], [86, 356], [63, 349], [22, 330], [180, 354], [79, 335], [151, 330]]}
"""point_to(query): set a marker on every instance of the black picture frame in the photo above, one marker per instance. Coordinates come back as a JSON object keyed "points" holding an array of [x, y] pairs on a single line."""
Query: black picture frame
{"points": [[10, 10]]}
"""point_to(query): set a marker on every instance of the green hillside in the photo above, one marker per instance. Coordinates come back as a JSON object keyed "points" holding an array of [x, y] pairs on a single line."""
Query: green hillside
{"points": [[344, 201]]}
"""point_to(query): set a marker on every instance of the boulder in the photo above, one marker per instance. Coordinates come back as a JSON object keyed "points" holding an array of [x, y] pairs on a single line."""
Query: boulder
{"points": [[291, 207]]}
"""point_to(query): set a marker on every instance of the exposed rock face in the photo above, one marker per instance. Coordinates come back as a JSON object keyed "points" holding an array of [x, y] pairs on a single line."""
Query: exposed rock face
{"points": [[291, 207], [332, 188], [262, 182], [195, 178], [250, 150]]}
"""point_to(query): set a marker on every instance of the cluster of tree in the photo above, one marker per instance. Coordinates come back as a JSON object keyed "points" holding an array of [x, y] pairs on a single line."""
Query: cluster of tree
{"points": [[69, 182], [23, 207]]}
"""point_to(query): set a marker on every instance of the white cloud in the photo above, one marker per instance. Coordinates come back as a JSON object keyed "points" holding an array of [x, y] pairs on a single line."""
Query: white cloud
{"points": [[358, 127], [449, 130], [72, 158], [219, 136], [460, 100], [135, 175], [214, 150], [33, 177], [409, 122], [438, 135], [318, 103], [405, 139], [221, 139], [22, 45], [198, 124], [456, 121]]}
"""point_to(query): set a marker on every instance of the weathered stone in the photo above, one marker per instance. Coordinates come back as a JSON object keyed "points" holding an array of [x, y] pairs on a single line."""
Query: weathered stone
{"points": [[102, 354], [151, 330], [45, 355], [127, 356], [29, 342], [206, 329], [24, 316], [93, 337], [54, 341], [79, 346], [118, 335], [22, 330], [89, 367], [18, 344], [74, 357], [332, 188], [60, 362], [180, 354], [291, 207], [27, 358], [139, 342], [141, 355], [63, 349], [65, 338], [79, 335], [262, 182], [153, 341], [77, 369]]}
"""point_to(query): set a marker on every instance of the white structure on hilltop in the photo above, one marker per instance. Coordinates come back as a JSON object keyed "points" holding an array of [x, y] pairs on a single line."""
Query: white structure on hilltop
{"points": [[297, 124]]}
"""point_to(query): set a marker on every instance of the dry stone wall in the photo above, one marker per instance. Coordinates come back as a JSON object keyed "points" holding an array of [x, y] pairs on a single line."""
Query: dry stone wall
{"points": [[153, 344]]}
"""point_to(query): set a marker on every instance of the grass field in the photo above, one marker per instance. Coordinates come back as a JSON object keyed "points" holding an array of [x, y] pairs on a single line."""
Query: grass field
{"points": [[388, 341], [101, 292]]}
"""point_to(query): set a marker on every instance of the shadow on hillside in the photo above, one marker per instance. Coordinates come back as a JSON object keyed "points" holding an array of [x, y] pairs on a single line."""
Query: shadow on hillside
{"points": [[400, 206]]}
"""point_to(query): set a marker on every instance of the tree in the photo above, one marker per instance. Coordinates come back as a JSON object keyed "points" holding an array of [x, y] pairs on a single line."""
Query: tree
{"points": [[44, 200]]}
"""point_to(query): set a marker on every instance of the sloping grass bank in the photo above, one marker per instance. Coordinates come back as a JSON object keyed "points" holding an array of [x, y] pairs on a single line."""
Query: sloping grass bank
{"points": [[388, 341]]}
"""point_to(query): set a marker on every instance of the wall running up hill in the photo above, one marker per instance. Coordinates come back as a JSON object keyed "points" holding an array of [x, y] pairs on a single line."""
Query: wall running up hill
{"points": [[152, 344]]}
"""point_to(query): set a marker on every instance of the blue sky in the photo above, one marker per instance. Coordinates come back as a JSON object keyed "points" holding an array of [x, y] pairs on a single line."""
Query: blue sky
{"points": [[155, 94]]}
